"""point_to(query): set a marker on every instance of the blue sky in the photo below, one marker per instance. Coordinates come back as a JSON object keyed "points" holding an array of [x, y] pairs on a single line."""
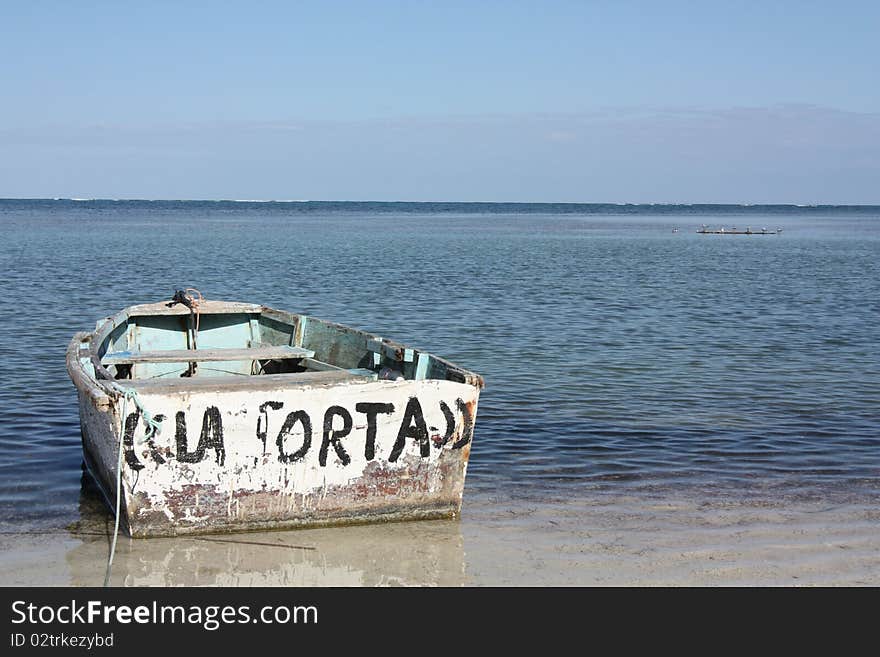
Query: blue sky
{"points": [[474, 101]]}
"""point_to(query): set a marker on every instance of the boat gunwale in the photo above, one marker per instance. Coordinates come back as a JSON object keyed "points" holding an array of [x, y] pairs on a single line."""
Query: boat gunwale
{"points": [[100, 394], [101, 388]]}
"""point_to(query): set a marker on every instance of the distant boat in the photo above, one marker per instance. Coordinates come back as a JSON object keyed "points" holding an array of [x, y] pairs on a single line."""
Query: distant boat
{"points": [[706, 230], [206, 416]]}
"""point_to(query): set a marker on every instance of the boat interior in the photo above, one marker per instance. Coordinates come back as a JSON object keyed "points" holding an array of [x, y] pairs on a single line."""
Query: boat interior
{"points": [[161, 344]]}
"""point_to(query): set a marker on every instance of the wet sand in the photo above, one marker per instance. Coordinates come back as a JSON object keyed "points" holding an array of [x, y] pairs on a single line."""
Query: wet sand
{"points": [[626, 541]]}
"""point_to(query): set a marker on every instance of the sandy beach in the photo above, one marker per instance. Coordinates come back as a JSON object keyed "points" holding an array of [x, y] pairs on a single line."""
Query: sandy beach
{"points": [[625, 541]]}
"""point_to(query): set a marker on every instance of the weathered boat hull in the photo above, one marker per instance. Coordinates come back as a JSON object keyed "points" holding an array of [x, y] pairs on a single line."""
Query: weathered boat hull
{"points": [[269, 452]]}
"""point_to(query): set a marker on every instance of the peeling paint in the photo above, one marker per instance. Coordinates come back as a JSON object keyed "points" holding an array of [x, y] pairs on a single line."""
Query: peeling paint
{"points": [[218, 476]]}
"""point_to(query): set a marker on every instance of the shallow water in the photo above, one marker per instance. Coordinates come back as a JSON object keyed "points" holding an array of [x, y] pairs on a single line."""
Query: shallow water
{"points": [[620, 357]]}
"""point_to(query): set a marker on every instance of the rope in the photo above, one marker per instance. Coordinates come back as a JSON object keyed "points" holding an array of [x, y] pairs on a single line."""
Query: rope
{"points": [[192, 299], [153, 427], [195, 302]]}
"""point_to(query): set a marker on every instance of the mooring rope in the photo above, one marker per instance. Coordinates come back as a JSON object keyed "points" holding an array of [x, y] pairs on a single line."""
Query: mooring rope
{"points": [[192, 299], [196, 299], [153, 427]]}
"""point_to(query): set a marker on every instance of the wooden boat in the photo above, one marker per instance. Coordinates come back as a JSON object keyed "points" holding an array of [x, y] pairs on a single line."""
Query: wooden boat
{"points": [[235, 416], [706, 230]]}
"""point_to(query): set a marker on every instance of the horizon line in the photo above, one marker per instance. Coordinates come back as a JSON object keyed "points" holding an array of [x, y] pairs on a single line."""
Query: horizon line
{"points": [[425, 202]]}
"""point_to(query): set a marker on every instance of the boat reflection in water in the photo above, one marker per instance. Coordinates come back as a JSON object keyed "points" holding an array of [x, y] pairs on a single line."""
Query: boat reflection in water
{"points": [[425, 553]]}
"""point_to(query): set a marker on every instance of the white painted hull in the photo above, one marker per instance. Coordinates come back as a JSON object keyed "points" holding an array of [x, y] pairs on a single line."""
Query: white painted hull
{"points": [[255, 475], [260, 452]]}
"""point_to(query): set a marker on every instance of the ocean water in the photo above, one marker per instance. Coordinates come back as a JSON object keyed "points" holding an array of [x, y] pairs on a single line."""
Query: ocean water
{"points": [[620, 357]]}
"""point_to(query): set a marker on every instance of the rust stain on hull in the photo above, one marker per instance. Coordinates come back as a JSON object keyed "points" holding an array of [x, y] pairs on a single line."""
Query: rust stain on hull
{"points": [[422, 491]]}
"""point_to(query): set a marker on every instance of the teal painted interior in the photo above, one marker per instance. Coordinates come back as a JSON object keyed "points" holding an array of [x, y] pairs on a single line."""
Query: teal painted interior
{"points": [[333, 344], [225, 332]]}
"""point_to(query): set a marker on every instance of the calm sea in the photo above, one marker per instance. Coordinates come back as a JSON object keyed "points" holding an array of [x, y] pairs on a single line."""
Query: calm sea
{"points": [[620, 357]]}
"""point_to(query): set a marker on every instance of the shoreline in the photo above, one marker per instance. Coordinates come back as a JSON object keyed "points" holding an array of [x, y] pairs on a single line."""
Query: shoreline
{"points": [[605, 541]]}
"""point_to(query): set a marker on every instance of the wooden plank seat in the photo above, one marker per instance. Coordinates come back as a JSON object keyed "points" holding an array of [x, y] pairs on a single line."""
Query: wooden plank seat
{"points": [[204, 355], [320, 366], [249, 383]]}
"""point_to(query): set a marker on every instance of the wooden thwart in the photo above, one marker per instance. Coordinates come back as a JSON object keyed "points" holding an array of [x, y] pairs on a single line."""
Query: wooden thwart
{"points": [[251, 383], [321, 366], [205, 355]]}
